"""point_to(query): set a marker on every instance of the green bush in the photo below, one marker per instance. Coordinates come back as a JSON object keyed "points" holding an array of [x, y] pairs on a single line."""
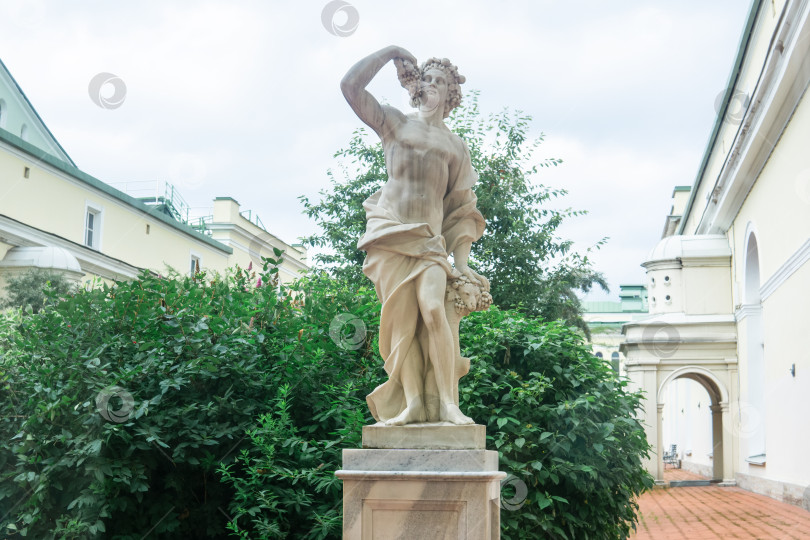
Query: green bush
{"points": [[564, 426], [244, 395], [192, 356]]}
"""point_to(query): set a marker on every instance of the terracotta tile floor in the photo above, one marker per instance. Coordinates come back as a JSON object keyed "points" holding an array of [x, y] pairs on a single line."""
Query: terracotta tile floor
{"points": [[696, 513], [671, 475]]}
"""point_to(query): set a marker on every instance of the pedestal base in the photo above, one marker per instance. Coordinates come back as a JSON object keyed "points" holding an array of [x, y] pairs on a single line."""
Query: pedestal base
{"points": [[413, 493], [436, 436]]}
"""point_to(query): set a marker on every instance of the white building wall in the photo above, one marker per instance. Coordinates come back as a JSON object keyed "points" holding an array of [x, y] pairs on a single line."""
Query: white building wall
{"points": [[777, 211]]}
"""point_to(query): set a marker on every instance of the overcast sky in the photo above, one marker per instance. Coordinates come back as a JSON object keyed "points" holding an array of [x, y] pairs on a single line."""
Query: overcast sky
{"points": [[241, 99]]}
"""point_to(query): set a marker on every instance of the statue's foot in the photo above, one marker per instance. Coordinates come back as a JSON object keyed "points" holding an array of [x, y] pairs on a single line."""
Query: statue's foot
{"points": [[412, 414], [449, 412]]}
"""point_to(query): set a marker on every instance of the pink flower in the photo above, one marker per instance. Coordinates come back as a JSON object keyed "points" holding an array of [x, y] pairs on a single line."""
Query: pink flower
{"points": [[250, 266], [259, 283]]}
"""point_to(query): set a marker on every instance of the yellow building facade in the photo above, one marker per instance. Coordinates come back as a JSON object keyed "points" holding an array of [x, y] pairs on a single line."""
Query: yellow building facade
{"points": [[47, 204]]}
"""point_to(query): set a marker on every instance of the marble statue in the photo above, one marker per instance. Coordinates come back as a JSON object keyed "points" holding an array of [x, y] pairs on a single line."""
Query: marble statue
{"points": [[425, 212]]}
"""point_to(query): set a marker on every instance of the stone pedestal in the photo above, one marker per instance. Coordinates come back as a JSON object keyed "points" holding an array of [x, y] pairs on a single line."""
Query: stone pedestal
{"points": [[409, 493]]}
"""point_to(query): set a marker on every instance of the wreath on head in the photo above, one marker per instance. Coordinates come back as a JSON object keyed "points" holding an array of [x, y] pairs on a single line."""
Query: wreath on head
{"points": [[410, 77]]}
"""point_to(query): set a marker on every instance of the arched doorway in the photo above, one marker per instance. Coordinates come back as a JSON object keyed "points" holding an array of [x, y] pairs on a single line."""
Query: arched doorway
{"points": [[720, 420], [687, 424]]}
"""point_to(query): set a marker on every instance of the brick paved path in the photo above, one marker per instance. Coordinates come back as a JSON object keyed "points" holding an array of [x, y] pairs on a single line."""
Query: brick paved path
{"points": [[712, 512], [672, 475]]}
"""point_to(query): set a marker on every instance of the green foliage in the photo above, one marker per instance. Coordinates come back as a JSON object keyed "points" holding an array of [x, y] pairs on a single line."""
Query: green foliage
{"points": [[529, 266], [244, 397], [35, 288], [563, 424], [193, 355], [285, 481]]}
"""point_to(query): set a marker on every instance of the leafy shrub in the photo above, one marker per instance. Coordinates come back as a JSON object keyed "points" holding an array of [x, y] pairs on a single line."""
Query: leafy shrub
{"points": [[564, 426], [243, 397], [191, 353]]}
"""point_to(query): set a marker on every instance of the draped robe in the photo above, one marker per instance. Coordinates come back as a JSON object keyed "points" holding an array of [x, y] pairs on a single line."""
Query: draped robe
{"points": [[397, 253]]}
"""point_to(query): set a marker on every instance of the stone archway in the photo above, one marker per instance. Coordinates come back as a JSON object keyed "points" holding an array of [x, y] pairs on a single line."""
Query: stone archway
{"points": [[691, 333], [721, 419], [704, 354]]}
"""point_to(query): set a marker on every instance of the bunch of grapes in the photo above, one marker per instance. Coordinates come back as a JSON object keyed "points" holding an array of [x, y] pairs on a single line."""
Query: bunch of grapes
{"points": [[410, 77]]}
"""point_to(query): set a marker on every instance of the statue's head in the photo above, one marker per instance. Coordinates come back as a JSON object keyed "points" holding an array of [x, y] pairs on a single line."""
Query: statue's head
{"points": [[436, 78]]}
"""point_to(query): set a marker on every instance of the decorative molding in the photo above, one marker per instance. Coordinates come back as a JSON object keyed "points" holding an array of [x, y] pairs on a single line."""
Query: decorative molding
{"points": [[671, 264], [700, 371], [746, 310], [788, 268], [695, 262]]}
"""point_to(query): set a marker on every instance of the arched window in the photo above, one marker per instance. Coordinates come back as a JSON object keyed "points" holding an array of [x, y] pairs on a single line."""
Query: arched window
{"points": [[24, 132], [3, 113], [753, 412], [599, 355], [614, 362]]}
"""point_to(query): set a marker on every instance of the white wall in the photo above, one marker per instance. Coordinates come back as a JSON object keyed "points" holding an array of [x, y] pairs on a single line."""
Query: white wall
{"points": [[687, 420]]}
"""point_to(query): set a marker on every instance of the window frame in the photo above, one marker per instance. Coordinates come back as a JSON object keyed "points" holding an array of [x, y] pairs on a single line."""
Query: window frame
{"points": [[194, 256], [98, 225]]}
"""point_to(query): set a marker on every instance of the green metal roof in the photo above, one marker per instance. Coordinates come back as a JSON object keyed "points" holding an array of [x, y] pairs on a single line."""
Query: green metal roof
{"points": [[602, 307]]}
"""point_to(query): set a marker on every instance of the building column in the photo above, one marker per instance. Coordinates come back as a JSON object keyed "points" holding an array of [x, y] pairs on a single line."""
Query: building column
{"points": [[728, 445], [718, 446], [659, 443]]}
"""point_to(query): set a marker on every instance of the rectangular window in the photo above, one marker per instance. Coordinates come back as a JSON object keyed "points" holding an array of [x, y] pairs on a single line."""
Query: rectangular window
{"points": [[195, 265], [92, 227]]}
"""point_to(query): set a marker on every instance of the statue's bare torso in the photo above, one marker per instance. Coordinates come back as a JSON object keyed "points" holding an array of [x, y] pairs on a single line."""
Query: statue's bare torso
{"points": [[420, 160]]}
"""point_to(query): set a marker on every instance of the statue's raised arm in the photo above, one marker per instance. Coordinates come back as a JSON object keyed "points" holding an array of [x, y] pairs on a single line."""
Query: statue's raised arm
{"points": [[356, 80]]}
